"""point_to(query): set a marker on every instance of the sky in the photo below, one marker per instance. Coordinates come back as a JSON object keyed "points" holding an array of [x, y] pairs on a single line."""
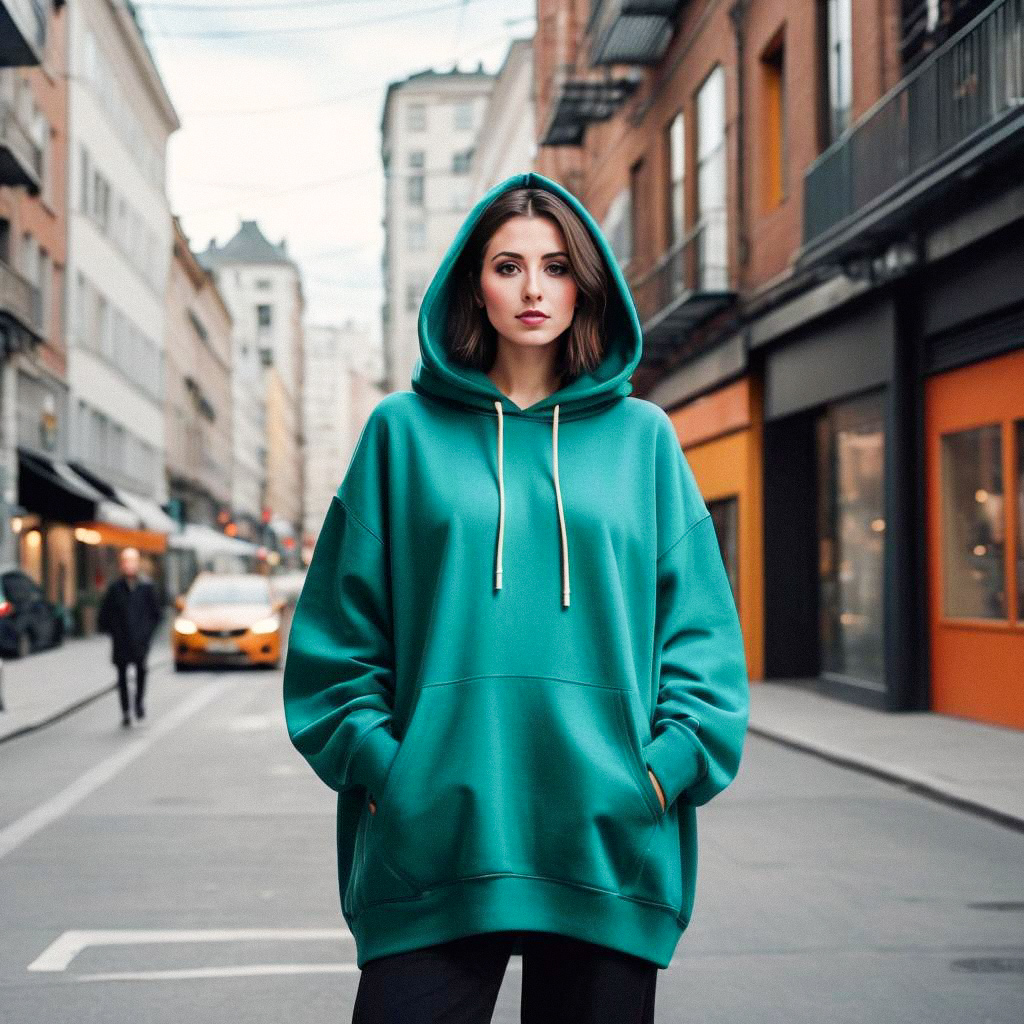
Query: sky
{"points": [[280, 103]]}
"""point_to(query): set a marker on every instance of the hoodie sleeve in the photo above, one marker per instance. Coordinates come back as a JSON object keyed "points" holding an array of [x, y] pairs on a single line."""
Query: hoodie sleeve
{"points": [[339, 677], [700, 720]]}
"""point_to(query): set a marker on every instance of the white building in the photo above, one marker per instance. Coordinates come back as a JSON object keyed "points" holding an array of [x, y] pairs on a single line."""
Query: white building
{"points": [[506, 142], [342, 372], [118, 255], [429, 129], [262, 287]]}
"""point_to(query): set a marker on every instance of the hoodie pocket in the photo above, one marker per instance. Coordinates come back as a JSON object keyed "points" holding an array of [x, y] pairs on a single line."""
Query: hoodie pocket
{"points": [[517, 775]]}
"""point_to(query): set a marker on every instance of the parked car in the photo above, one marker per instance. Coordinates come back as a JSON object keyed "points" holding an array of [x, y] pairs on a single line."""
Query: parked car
{"points": [[228, 619], [29, 621]]}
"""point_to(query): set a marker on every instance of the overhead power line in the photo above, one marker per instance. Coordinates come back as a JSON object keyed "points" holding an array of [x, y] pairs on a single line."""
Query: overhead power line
{"points": [[238, 33]]}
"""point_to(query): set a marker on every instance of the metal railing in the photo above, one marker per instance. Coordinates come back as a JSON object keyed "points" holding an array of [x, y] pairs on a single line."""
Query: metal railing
{"points": [[15, 137], [964, 91], [20, 299], [696, 265]]}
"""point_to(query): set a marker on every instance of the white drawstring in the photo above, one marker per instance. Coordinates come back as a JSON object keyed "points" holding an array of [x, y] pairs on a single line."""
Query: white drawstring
{"points": [[558, 501]]}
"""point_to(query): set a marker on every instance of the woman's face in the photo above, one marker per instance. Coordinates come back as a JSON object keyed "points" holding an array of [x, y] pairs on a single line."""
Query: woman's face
{"points": [[526, 268]]}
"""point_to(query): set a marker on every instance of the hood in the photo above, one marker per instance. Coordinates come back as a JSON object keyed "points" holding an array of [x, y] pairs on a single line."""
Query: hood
{"points": [[434, 374], [607, 384]]}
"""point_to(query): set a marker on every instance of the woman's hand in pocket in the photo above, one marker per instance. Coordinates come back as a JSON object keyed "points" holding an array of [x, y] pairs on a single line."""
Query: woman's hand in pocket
{"points": [[657, 786]]}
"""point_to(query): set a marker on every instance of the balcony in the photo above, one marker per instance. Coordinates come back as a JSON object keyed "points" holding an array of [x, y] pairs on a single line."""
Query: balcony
{"points": [[21, 162], [959, 112], [21, 311], [689, 284], [630, 31], [580, 101], [22, 32]]}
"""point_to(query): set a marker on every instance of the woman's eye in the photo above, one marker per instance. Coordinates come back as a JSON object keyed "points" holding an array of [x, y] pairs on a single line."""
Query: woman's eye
{"points": [[561, 268], [501, 268]]}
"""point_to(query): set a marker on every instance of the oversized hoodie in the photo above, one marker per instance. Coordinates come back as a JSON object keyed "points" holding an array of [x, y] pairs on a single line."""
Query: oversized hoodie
{"points": [[509, 616]]}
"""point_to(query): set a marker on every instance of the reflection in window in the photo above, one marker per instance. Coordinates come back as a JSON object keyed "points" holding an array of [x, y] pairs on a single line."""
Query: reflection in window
{"points": [[972, 511], [851, 532], [1020, 519], [725, 516]]}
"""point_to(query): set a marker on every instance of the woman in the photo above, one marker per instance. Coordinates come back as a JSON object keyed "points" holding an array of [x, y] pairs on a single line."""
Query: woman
{"points": [[516, 655]]}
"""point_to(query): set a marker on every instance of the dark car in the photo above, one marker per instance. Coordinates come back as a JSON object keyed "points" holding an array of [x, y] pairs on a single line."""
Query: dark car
{"points": [[28, 621]]}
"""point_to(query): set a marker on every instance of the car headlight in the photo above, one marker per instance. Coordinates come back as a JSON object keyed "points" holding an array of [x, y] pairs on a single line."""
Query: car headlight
{"points": [[266, 625], [182, 625]]}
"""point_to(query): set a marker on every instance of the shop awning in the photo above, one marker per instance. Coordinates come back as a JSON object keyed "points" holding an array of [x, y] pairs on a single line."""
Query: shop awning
{"points": [[204, 540], [151, 515], [51, 488]]}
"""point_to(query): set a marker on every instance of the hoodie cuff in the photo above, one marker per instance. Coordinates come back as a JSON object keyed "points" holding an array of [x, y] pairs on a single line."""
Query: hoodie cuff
{"points": [[675, 761], [372, 759]]}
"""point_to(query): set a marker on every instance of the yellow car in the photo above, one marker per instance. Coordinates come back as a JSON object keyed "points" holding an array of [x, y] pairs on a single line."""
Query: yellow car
{"points": [[228, 619]]}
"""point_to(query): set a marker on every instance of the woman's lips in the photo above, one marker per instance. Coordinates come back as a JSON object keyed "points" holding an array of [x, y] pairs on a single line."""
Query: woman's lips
{"points": [[532, 319]]}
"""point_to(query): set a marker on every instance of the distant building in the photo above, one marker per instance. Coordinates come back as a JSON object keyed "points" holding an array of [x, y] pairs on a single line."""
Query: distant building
{"points": [[343, 372], [263, 289], [429, 129], [506, 139], [198, 407]]}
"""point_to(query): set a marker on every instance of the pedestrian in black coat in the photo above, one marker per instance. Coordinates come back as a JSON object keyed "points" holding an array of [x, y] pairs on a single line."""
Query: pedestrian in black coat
{"points": [[130, 612]]}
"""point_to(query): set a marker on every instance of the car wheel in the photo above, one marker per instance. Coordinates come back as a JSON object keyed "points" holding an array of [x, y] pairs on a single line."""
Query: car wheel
{"points": [[24, 644]]}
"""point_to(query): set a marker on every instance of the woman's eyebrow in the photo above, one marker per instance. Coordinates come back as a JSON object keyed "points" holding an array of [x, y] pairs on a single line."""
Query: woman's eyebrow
{"points": [[519, 256]]}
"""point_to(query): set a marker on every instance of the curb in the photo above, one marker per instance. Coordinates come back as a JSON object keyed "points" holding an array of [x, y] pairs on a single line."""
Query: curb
{"points": [[154, 666], [921, 784]]}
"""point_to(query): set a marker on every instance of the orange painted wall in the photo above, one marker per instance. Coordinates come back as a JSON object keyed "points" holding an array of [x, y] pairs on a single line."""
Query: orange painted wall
{"points": [[976, 664], [722, 438]]}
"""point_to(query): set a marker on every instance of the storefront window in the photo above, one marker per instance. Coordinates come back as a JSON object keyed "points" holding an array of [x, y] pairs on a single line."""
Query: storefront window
{"points": [[1019, 425], [725, 516], [973, 516], [851, 531]]}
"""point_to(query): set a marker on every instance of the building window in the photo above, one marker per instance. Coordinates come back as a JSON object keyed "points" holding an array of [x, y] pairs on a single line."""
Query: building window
{"points": [[263, 315], [618, 227], [636, 205], [417, 159], [773, 125], [712, 265], [263, 284], [838, 70], [416, 235], [416, 117], [414, 192], [463, 117], [413, 293], [973, 517], [461, 161], [675, 149], [726, 519]]}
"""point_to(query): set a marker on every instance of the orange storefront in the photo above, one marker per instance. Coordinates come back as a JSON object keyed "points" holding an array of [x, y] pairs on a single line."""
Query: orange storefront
{"points": [[974, 423], [720, 434]]}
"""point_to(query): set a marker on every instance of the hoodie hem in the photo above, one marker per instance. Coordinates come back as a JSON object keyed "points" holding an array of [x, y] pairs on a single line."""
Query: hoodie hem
{"points": [[517, 903]]}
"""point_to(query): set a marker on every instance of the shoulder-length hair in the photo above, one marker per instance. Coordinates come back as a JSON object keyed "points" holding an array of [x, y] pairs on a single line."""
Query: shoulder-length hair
{"points": [[472, 339]]}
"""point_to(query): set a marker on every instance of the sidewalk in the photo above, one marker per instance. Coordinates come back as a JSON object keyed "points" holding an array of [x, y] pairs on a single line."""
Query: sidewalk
{"points": [[46, 686], [975, 766]]}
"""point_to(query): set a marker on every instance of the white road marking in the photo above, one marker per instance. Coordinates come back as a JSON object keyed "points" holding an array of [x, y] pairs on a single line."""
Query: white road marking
{"points": [[46, 813], [255, 970], [67, 946]]}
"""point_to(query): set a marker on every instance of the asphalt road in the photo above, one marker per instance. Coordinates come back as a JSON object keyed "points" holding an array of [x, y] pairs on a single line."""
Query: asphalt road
{"points": [[184, 871]]}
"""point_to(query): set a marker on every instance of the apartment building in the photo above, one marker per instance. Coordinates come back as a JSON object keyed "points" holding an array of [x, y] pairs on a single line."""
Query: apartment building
{"points": [[429, 130], [819, 208]]}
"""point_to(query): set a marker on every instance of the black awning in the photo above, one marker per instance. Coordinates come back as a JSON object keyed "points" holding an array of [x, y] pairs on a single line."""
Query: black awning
{"points": [[44, 490]]}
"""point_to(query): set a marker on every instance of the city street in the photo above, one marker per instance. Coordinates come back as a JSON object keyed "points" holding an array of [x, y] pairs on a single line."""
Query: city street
{"points": [[185, 871]]}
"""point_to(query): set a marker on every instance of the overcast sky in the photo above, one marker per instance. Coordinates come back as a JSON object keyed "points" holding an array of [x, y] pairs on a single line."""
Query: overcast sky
{"points": [[280, 103]]}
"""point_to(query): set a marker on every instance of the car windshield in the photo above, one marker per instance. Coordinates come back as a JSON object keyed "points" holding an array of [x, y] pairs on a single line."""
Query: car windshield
{"points": [[230, 591]]}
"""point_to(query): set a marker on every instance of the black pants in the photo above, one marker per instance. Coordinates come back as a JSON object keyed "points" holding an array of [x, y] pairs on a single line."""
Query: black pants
{"points": [[565, 980], [140, 685]]}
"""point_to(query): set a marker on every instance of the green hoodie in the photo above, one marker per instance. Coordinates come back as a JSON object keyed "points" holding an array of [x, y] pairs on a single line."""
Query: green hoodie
{"points": [[503, 721]]}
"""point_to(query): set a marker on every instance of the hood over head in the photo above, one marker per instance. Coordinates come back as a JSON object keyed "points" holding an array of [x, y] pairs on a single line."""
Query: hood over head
{"points": [[435, 374]]}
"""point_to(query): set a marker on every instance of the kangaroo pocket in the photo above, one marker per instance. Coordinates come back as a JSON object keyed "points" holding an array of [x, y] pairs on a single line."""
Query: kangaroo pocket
{"points": [[520, 775]]}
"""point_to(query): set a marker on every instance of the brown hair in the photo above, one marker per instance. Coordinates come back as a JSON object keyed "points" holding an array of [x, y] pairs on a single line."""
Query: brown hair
{"points": [[472, 338]]}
